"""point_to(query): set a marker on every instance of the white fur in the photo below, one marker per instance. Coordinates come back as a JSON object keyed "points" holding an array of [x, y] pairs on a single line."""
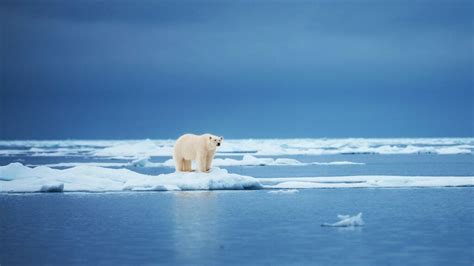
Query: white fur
{"points": [[190, 147]]}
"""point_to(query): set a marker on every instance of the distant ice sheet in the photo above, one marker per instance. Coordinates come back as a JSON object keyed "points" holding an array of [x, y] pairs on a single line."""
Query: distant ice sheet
{"points": [[370, 181], [247, 160], [74, 164], [134, 149], [16, 177], [347, 221], [273, 147], [283, 191]]}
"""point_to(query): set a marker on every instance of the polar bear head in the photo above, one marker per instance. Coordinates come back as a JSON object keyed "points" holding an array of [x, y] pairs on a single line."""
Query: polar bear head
{"points": [[213, 141]]}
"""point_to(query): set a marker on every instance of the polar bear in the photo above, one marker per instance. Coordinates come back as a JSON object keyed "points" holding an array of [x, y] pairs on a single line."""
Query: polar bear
{"points": [[190, 147]]}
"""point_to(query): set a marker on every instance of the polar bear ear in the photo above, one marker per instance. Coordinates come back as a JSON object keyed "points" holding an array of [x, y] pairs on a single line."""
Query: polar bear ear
{"points": [[210, 137]]}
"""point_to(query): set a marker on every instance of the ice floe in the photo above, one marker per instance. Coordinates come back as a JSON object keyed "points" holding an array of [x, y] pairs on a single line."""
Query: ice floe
{"points": [[283, 191], [247, 160], [347, 221], [370, 181], [274, 147], [16, 177], [74, 164], [134, 149], [19, 178]]}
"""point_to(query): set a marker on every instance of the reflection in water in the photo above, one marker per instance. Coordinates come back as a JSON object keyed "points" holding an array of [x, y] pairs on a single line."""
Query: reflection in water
{"points": [[194, 235]]}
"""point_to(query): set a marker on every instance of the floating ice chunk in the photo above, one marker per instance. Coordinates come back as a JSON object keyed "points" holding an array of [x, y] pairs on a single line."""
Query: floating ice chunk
{"points": [[19, 178], [347, 221], [153, 188], [461, 149], [11, 152], [126, 149], [284, 191], [217, 179], [287, 161], [141, 162], [19, 171], [366, 182], [145, 162], [16, 177], [338, 163], [247, 160], [73, 164], [139, 149]]}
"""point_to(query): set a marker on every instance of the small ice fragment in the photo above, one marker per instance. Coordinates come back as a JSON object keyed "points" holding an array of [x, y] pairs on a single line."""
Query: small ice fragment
{"points": [[342, 217], [347, 221], [141, 162], [284, 191]]}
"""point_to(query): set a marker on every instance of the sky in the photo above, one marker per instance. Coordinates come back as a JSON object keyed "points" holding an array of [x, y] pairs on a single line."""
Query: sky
{"points": [[95, 69]]}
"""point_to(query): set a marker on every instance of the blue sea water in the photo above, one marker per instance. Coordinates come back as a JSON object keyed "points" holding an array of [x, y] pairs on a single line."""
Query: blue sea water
{"points": [[403, 226]]}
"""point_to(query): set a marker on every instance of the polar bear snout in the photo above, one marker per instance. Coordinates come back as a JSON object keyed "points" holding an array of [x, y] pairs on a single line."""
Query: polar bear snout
{"points": [[215, 141]]}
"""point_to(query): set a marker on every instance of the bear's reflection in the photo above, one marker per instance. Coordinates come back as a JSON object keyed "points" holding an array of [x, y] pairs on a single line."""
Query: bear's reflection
{"points": [[195, 233]]}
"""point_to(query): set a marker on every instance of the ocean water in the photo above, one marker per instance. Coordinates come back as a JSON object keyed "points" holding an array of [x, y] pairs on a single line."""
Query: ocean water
{"points": [[97, 219], [402, 227]]}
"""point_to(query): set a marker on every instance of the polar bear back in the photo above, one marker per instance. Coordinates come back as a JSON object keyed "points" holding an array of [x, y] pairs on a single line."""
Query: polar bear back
{"points": [[189, 145]]}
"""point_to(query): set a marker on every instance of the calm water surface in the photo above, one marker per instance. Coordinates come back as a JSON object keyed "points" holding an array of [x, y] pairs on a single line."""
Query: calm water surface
{"points": [[402, 227]]}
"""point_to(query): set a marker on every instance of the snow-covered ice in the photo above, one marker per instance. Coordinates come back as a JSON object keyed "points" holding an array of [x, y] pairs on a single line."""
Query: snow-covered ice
{"points": [[143, 162], [16, 177], [347, 221], [283, 191], [135, 149], [73, 164], [19, 178], [247, 160], [273, 147], [139, 149], [367, 181]]}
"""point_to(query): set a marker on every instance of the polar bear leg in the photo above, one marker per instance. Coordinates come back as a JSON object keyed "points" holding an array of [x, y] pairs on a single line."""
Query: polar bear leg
{"points": [[209, 158], [201, 163], [179, 164], [187, 166]]}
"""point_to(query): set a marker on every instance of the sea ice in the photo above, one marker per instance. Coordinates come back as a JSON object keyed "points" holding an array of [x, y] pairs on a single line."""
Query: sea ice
{"points": [[284, 191], [371, 181], [16, 177], [134, 149], [137, 150], [346, 221], [247, 160], [19, 178]]}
